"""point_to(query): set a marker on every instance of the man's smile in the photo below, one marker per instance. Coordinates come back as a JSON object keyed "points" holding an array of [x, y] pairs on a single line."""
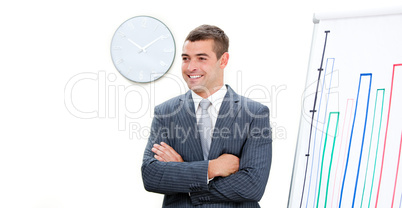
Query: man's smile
{"points": [[194, 76]]}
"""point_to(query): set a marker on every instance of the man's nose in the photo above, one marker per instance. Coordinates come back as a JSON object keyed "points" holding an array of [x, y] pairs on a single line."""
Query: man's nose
{"points": [[192, 65]]}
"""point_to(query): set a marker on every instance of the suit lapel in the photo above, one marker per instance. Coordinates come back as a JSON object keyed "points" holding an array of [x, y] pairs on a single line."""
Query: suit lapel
{"points": [[186, 117], [227, 115]]}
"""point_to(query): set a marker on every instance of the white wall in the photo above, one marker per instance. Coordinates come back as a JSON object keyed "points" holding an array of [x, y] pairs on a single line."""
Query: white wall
{"points": [[73, 130]]}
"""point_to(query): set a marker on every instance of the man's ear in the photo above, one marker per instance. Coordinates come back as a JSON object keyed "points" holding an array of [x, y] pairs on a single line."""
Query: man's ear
{"points": [[224, 60]]}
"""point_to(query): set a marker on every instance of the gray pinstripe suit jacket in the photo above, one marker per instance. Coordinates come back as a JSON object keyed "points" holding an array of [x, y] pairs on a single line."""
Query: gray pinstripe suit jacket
{"points": [[242, 129]]}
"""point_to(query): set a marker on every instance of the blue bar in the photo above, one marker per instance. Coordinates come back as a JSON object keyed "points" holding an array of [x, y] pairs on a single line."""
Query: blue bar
{"points": [[351, 136]]}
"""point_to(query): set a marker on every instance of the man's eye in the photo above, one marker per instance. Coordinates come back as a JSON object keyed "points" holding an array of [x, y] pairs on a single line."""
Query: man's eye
{"points": [[184, 58]]}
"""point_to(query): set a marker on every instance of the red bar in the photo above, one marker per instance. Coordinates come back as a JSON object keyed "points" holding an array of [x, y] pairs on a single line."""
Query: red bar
{"points": [[397, 169], [386, 133]]}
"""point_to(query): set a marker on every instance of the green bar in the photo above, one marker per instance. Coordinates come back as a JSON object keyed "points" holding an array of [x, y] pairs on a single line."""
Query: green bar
{"points": [[323, 154], [378, 141]]}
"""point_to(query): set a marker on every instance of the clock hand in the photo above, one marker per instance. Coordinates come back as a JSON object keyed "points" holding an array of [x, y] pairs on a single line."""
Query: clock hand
{"points": [[134, 43], [154, 41]]}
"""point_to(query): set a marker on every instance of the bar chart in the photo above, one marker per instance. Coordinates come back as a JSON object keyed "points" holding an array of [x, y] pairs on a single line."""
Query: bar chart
{"points": [[350, 136]]}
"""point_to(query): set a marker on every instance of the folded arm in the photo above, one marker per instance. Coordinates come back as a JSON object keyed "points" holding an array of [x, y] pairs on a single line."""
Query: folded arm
{"points": [[231, 183], [222, 166], [164, 171], [248, 184], [170, 177]]}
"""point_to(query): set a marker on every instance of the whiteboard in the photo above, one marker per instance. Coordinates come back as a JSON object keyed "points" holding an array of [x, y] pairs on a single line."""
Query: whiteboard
{"points": [[350, 136]]}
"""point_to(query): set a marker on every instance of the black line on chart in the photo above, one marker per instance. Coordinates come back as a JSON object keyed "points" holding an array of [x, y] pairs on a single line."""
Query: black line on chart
{"points": [[312, 117]]}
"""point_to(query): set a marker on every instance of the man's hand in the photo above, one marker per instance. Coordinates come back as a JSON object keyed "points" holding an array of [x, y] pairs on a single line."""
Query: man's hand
{"points": [[166, 153], [223, 166]]}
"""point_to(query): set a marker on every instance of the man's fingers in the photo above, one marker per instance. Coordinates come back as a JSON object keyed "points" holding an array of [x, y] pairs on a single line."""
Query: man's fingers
{"points": [[227, 164], [162, 151], [175, 156], [159, 158], [169, 149], [157, 152], [166, 153], [163, 144]]}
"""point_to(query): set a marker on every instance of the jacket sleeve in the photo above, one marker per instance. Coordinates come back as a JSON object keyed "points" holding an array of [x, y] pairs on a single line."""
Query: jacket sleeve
{"points": [[170, 177], [249, 183]]}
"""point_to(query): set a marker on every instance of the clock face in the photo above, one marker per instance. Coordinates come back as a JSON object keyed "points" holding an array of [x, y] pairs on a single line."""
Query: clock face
{"points": [[143, 49]]}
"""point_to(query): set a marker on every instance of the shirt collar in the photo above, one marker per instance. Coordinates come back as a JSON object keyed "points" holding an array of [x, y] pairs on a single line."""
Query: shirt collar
{"points": [[216, 99]]}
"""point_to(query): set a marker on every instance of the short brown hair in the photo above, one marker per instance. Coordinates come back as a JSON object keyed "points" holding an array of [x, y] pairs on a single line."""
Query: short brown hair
{"points": [[206, 32]]}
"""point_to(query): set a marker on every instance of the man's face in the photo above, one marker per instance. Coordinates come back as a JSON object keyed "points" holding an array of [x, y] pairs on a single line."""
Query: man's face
{"points": [[201, 69]]}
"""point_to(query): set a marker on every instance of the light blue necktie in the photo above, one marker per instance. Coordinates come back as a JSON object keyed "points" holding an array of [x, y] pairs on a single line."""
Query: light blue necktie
{"points": [[205, 128]]}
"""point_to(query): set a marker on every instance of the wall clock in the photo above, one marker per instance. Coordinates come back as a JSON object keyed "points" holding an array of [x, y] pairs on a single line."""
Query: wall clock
{"points": [[143, 49]]}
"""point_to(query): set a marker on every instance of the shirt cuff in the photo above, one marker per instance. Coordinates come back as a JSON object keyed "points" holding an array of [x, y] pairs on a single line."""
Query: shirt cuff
{"points": [[208, 179]]}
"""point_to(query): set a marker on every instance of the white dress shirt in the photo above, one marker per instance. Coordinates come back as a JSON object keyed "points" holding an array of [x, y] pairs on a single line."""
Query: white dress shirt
{"points": [[213, 110]]}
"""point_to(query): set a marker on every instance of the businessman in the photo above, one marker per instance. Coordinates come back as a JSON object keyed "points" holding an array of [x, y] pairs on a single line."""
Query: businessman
{"points": [[209, 147]]}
